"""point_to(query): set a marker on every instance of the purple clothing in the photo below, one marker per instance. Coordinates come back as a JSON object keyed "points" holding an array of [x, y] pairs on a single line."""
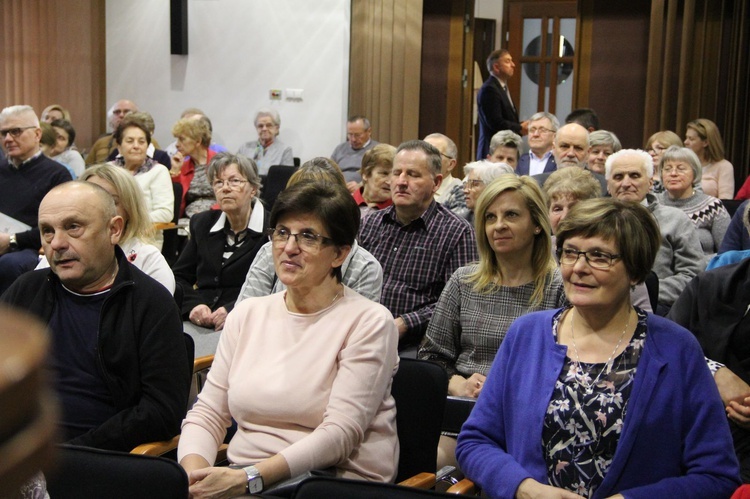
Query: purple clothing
{"points": [[675, 439]]}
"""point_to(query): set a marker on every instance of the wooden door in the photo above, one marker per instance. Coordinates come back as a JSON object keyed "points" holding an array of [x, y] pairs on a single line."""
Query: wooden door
{"points": [[541, 38]]}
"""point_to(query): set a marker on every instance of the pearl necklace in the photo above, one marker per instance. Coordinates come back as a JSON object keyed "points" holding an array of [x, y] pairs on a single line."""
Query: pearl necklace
{"points": [[607, 365]]}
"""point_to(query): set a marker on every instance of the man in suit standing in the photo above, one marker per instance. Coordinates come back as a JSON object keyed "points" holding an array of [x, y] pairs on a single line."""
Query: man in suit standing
{"points": [[540, 158], [496, 109]]}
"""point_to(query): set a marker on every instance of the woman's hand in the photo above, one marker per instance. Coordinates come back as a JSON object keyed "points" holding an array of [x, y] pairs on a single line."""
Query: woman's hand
{"points": [[739, 412], [177, 161], [531, 489], [201, 316], [218, 318], [217, 483], [462, 387]]}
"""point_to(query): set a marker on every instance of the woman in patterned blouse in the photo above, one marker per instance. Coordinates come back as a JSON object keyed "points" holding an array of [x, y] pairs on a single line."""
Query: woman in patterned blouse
{"points": [[600, 399]]}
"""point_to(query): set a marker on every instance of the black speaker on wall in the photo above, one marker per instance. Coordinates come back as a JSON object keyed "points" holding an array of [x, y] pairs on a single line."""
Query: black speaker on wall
{"points": [[178, 14]]}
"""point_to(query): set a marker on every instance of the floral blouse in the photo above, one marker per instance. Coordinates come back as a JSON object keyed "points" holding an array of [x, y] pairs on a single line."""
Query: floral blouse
{"points": [[585, 416]]}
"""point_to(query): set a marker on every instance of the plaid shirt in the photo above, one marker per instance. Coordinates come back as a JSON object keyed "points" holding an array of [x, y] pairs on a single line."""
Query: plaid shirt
{"points": [[417, 259]]}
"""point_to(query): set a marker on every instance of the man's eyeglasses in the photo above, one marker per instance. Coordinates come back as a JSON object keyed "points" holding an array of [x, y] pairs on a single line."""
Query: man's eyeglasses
{"points": [[446, 156], [234, 183], [14, 132], [306, 240], [539, 130], [596, 259]]}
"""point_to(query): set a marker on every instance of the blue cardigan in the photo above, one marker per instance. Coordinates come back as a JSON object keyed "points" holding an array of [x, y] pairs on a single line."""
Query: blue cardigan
{"points": [[675, 440]]}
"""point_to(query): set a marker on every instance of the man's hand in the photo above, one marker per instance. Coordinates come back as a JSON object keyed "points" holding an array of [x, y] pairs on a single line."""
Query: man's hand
{"points": [[525, 127], [401, 325]]}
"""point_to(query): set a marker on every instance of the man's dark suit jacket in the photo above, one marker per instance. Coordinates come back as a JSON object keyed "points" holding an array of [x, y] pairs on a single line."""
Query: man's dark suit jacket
{"points": [[199, 265], [495, 114], [524, 162]]}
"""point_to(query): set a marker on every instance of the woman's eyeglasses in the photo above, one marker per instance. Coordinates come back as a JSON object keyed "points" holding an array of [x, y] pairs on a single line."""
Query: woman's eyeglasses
{"points": [[306, 240], [595, 258]]}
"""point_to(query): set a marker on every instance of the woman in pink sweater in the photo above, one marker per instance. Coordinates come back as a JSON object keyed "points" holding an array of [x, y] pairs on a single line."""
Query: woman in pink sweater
{"points": [[306, 373]]}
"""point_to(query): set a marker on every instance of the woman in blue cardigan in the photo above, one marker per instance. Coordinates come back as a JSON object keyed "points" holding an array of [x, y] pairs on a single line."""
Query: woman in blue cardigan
{"points": [[600, 399]]}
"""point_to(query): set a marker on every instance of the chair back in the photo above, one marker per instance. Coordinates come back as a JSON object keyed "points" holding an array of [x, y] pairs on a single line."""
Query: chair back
{"points": [[420, 389], [652, 286], [171, 246], [87, 472], [457, 410], [275, 183]]}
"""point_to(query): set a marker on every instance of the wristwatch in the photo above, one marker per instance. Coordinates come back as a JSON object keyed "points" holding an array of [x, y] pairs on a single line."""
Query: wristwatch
{"points": [[12, 242], [254, 480]]}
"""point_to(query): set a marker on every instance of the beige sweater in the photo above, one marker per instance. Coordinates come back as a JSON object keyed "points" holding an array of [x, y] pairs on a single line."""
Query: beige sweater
{"points": [[315, 388]]}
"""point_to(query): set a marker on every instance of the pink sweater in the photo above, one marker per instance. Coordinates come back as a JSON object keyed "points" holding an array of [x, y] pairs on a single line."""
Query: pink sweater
{"points": [[315, 388]]}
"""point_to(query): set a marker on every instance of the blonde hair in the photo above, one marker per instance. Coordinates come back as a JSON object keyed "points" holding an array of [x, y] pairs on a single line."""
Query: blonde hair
{"points": [[542, 262], [138, 222], [708, 131], [318, 169]]}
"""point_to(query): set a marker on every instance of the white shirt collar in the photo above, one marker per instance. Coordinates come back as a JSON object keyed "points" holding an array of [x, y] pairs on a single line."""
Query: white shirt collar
{"points": [[255, 223]]}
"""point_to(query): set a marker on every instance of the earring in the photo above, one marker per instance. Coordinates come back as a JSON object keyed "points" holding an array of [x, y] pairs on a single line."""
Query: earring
{"points": [[537, 230]]}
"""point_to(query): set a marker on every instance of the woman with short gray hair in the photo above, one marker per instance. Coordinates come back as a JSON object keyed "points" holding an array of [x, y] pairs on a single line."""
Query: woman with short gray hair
{"points": [[223, 243], [681, 176], [267, 151]]}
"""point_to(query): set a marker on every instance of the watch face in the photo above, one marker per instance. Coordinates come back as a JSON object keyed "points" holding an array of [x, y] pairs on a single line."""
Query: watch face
{"points": [[255, 484]]}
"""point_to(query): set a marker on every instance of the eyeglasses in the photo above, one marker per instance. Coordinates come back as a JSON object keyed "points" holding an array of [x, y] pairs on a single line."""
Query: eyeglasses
{"points": [[596, 259], [656, 149], [261, 126], [14, 132], [306, 240], [539, 130], [446, 156], [234, 183], [679, 169], [473, 184]]}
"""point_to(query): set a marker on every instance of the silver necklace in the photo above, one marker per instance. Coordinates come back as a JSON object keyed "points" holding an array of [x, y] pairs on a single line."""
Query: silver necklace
{"points": [[607, 365]]}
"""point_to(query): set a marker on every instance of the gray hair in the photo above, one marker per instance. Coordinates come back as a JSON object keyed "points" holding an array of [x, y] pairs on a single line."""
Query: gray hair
{"points": [[505, 138], [271, 113], [686, 155], [246, 166], [643, 156], [434, 163], [604, 138], [487, 171], [17, 111], [551, 117], [450, 147], [359, 117]]}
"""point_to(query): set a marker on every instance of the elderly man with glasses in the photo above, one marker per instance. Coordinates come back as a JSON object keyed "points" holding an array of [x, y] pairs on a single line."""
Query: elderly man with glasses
{"points": [[26, 175], [540, 158]]}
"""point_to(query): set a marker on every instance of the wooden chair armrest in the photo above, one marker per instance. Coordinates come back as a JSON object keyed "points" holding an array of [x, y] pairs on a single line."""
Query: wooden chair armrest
{"points": [[420, 481], [464, 487], [203, 363], [157, 448], [164, 225]]}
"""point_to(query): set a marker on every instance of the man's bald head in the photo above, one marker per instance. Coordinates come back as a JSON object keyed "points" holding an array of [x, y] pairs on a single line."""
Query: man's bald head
{"points": [[571, 145]]}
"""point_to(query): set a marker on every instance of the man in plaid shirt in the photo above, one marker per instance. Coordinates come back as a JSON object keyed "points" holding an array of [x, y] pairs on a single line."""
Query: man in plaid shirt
{"points": [[418, 242]]}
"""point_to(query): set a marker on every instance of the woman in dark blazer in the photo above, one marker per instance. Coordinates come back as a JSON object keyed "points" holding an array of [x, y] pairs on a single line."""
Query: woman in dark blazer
{"points": [[223, 243]]}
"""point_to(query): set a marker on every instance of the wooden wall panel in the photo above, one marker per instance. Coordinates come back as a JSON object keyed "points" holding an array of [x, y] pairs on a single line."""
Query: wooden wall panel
{"points": [[54, 53], [385, 58]]}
